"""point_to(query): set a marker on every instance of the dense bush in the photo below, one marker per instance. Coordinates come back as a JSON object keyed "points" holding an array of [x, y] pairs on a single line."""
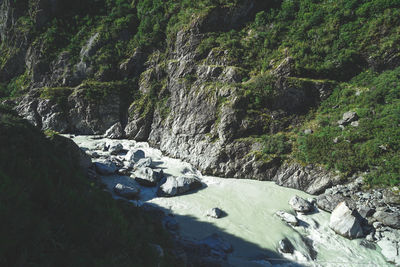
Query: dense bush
{"points": [[52, 215]]}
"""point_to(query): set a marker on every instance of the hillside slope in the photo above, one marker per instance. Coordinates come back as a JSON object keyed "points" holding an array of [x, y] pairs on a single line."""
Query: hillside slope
{"points": [[239, 88], [53, 216]]}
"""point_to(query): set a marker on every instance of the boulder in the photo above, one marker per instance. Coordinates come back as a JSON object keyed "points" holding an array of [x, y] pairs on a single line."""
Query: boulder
{"points": [[287, 217], [300, 205], [391, 219], [174, 186], [390, 250], [134, 155], [348, 118], [126, 191], [115, 131], [215, 213], [345, 222], [147, 176], [365, 211], [328, 202], [285, 246], [114, 149], [106, 167], [144, 163]]}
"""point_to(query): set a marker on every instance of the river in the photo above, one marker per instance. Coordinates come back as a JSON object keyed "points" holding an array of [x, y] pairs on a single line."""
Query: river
{"points": [[250, 224]]}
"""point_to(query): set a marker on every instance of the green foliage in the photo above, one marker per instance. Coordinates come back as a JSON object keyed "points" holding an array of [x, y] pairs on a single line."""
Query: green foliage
{"points": [[52, 215], [372, 146], [259, 92], [97, 92], [277, 144]]}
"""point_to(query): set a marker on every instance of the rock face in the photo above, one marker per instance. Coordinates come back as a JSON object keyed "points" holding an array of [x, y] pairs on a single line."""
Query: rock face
{"points": [[75, 114], [129, 192], [345, 222], [310, 179], [174, 186], [197, 110], [115, 131], [300, 205]]}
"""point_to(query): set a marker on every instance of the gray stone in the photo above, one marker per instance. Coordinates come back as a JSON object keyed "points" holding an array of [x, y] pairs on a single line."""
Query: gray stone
{"points": [[178, 185], [348, 117], [285, 246], [287, 217], [115, 149], [355, 123], [328, 202], [106, 167], [345, 222], [143, 163], [115, 132], [308, 131], [391, 219], [215, 213], [300, 205], [134, 155], [130, 192], [124, 172], [365, 211], [147, 177]]}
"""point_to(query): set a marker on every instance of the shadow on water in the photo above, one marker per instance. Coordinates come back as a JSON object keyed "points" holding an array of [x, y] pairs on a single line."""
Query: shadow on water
{"points": [[215, 244], [245, 253]]}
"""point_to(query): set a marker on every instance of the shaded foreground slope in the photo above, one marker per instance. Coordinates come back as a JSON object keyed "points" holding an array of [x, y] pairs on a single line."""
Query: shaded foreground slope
{"points": [[51, 214]]}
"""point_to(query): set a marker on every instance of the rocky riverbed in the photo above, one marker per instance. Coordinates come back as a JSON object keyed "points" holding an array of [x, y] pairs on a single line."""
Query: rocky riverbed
{"points": [[235, 222]]}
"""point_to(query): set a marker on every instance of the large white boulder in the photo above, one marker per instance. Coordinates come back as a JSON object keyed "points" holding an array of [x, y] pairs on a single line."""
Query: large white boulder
{"points": [[344, 222]]}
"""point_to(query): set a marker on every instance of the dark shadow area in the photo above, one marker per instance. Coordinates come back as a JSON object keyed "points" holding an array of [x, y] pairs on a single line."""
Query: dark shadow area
{"points": [[213, 246]]}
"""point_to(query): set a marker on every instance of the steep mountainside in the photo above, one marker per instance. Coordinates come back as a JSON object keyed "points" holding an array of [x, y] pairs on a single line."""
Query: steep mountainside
{"points": [[301, 92]]}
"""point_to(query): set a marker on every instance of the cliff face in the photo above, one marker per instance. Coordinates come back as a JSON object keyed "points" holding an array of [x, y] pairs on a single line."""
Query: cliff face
{"points": [[209, 104]]}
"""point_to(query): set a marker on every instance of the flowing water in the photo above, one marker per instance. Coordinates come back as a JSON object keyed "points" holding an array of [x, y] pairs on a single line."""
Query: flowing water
{"points": [[250, 225]]}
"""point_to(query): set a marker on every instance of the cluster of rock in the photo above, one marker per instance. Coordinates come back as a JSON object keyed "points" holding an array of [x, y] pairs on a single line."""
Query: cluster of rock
{"points": [[349, 117], [373, 214], [132, 162]]}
